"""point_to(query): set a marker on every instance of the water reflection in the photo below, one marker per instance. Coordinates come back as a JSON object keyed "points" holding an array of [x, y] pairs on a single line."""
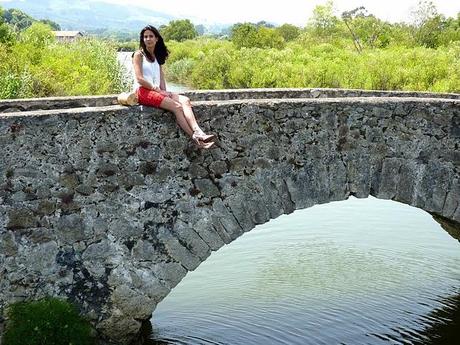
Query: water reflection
{"points": [[356, 272], [444, 323]]}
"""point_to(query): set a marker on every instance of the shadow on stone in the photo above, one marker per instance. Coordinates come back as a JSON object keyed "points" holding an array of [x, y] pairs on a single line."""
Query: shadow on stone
{"points": [[452, 227], [146, 336]]}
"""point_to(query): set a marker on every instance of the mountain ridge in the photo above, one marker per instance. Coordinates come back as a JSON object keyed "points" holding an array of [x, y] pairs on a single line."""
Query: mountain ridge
{"points": [[87, 15]]}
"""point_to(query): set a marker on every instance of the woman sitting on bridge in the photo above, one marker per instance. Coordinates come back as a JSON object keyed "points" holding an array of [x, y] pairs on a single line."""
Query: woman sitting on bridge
{"points": [[151, 87]]}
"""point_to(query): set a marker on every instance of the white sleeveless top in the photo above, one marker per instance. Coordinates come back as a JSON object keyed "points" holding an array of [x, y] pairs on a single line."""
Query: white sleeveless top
{"points": [[150, 71]]}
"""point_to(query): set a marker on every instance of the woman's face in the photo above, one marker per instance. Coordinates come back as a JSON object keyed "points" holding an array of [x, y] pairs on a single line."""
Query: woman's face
{"points": [[149, 38]]}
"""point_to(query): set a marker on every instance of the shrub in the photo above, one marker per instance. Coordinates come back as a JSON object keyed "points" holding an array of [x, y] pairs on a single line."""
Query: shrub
{"points": [[180, 70], [49, 321]]}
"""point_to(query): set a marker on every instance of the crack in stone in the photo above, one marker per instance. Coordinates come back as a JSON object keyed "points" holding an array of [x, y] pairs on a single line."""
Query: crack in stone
{"points": [[398, 177], [218, 234], [446, 194], [288, 193], [229, 209]]}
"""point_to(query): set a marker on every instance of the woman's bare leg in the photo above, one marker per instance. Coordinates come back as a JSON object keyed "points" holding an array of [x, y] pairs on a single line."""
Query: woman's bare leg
{"points": [[187, 110], [177, 109], [186, 119]]}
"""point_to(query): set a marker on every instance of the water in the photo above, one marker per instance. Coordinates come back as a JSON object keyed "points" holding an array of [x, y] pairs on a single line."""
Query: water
{"points": [[354, 272], [125, 59]]}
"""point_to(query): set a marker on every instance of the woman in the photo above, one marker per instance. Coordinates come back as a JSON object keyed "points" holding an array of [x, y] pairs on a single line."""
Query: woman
{"points": [[151, 87]]}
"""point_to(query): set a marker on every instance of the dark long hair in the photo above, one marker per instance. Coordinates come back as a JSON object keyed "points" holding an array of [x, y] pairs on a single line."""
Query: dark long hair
{"points": [[161, 52]]}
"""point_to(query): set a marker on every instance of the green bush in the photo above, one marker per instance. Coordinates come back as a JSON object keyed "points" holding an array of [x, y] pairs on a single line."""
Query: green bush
{"points": [[215, 64], [49, 321], [38, 66], [180, 70]]}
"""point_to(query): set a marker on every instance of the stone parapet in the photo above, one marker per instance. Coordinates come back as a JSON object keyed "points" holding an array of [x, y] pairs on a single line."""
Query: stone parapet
{"points": [[19, 105]]}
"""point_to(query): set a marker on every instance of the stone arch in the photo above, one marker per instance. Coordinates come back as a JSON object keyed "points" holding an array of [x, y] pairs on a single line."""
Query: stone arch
{"points": [[118, 215]]}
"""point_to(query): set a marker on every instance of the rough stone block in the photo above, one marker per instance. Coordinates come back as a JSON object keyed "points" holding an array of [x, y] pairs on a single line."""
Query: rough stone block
{"points": [[191, 240], [21, 218], [389, 178], [207, 187], [178, 251], [70, 228], [226, 219]]}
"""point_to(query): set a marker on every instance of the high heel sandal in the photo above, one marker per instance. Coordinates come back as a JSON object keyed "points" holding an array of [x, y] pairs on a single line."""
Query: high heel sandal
{"points": [[199, 135], [203, 141], [202, 145], [207, 145]]}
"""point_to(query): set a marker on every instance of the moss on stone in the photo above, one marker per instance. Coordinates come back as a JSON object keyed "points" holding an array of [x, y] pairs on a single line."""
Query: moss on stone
{"points": [[48, 321]]}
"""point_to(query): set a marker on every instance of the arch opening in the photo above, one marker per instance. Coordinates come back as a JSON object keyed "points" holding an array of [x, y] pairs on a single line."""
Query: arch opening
{"points": [[329, 261]]}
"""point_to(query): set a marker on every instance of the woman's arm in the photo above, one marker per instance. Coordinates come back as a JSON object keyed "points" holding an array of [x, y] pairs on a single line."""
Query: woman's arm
{"points": [[162, 79], [137, 64]]}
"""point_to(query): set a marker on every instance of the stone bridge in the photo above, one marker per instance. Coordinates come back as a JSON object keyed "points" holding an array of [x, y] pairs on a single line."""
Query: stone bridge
{"points": [[111, 206]]}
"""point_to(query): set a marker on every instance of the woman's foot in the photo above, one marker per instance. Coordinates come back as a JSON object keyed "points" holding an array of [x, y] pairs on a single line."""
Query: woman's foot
{"points": [[203, 145], [207, 145], [200, 136]]}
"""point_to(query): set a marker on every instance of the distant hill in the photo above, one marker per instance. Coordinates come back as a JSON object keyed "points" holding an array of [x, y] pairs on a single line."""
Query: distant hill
{"points": [[84, 15]]}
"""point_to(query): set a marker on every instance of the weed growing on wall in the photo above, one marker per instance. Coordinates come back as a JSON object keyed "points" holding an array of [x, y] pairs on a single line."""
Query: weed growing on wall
{"points": [[49, 321]]}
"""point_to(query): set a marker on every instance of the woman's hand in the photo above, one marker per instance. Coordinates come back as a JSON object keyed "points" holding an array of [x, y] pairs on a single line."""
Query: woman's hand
{"points": [[166, 93], [156, 88]]}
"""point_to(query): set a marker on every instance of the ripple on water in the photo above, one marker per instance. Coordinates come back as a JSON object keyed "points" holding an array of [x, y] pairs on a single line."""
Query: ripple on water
{"points": [[355, 272]]}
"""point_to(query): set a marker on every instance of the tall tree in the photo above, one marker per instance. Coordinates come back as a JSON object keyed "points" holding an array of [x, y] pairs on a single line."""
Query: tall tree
{"points": [[428, 24], [323, 20], [364, 28], [55, 26], [288, 31], [250, 35], [6, 35], [200, 29], [178, 30], [244, 35], [17, 19], [38, 34], [423, 12]]}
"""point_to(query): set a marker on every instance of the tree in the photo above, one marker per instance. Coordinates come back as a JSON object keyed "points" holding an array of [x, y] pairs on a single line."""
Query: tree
{"points": [[429, 33], [423, 12], [452, 31], [200, 29], [244, 35], [263, 23], [365, 29], [400, 34], [6, 35], [288, 31], [428, 24], [250, 36], [18, 19], [269, 38], [323, 21], [178, 30], [55, 26], [38, 34]]}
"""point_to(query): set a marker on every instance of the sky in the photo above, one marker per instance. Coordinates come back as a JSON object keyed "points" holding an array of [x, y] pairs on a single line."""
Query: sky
{"points": [[294, 12]]}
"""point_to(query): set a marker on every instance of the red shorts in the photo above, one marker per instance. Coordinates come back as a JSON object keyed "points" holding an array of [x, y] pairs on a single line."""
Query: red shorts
{"points": [[149, 97]]}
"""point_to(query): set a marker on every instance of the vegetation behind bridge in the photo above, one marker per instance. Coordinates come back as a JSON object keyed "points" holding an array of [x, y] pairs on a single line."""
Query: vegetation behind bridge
{"points": [[353, 50]]}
